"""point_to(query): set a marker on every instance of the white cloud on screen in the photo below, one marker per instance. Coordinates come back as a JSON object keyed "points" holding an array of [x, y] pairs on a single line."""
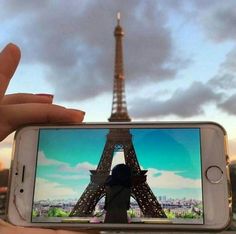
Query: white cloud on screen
{"points": [[70, 177], [170, 179], [44, 161], [64, 170], [46, 189], [80, 167]]}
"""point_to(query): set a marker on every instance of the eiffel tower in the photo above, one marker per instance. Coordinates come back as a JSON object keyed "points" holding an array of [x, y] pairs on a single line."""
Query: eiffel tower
{"points": [[118, 139]]}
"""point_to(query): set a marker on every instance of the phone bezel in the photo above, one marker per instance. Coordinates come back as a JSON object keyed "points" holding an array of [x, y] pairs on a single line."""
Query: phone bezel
{"points": [[213, 142]]}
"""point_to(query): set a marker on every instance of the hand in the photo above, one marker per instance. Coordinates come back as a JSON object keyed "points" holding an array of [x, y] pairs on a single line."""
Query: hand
{"points": [[20, 109], [6, 228]]}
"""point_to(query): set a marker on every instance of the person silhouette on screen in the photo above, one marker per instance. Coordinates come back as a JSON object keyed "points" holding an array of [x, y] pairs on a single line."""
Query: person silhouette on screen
{"points": [[118, 192]]}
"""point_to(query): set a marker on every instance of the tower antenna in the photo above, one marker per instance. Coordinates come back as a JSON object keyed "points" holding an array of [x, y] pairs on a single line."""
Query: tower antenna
{"points": [[118, 18]]}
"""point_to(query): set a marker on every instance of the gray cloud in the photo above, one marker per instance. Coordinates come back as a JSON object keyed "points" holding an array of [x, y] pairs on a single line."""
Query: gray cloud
{"points": [[229, 106], [183, 103], [225, 81], [217, 18], [75, 42], [230, 61], [219, 21]]}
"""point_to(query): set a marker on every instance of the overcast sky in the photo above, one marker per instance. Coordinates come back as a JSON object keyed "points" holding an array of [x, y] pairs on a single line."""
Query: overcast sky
{"points": [[180, 56]]}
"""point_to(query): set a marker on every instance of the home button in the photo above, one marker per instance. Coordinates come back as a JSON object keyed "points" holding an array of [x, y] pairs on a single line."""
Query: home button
{"points": [[214, 174]]}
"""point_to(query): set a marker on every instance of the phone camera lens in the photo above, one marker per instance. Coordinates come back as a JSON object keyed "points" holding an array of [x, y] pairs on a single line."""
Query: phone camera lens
{"points": [[21, 190]]}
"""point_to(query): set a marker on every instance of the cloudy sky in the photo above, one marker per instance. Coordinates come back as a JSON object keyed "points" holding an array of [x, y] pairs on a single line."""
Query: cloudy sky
{"points": [[180, 57]]}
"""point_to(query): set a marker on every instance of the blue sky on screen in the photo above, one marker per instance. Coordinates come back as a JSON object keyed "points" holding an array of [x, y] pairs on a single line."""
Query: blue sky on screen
{"points": [[172, 158]]}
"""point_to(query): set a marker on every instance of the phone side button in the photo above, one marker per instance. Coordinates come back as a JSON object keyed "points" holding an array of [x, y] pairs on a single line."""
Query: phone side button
{"points": [[214, 174]]}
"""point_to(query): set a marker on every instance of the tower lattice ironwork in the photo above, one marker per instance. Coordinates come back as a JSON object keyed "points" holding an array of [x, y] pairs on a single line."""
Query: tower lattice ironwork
{"points": [[120, 139], [119, 111]]}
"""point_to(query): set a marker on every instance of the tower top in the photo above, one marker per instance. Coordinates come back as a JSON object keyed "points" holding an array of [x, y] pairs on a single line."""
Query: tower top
{"points": [[118, 18], [119, 111], [118, 29]]}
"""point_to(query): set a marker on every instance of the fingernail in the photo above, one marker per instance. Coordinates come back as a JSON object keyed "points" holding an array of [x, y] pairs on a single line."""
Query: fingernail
{"points": [[10, 45], [45, 95], [14, 51], [79, 111]]}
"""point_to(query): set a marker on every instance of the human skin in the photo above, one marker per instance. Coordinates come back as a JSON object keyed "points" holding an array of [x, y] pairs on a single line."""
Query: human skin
{"points": [[20, 109]]}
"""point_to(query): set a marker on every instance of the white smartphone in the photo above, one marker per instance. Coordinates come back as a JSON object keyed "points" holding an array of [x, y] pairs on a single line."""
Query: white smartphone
{"points": [[121, 176]]}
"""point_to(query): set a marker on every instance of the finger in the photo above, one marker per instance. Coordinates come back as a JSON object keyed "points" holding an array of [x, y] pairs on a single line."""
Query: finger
{"points": [[20, 98], [5, 224], [8, 228], [21, 230], [24, 230], [9, 59], [22, 114], [15, 116]]}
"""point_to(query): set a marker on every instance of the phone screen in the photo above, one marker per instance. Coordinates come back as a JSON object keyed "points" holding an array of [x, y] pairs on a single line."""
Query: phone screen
{"points": [[118, 175]]}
